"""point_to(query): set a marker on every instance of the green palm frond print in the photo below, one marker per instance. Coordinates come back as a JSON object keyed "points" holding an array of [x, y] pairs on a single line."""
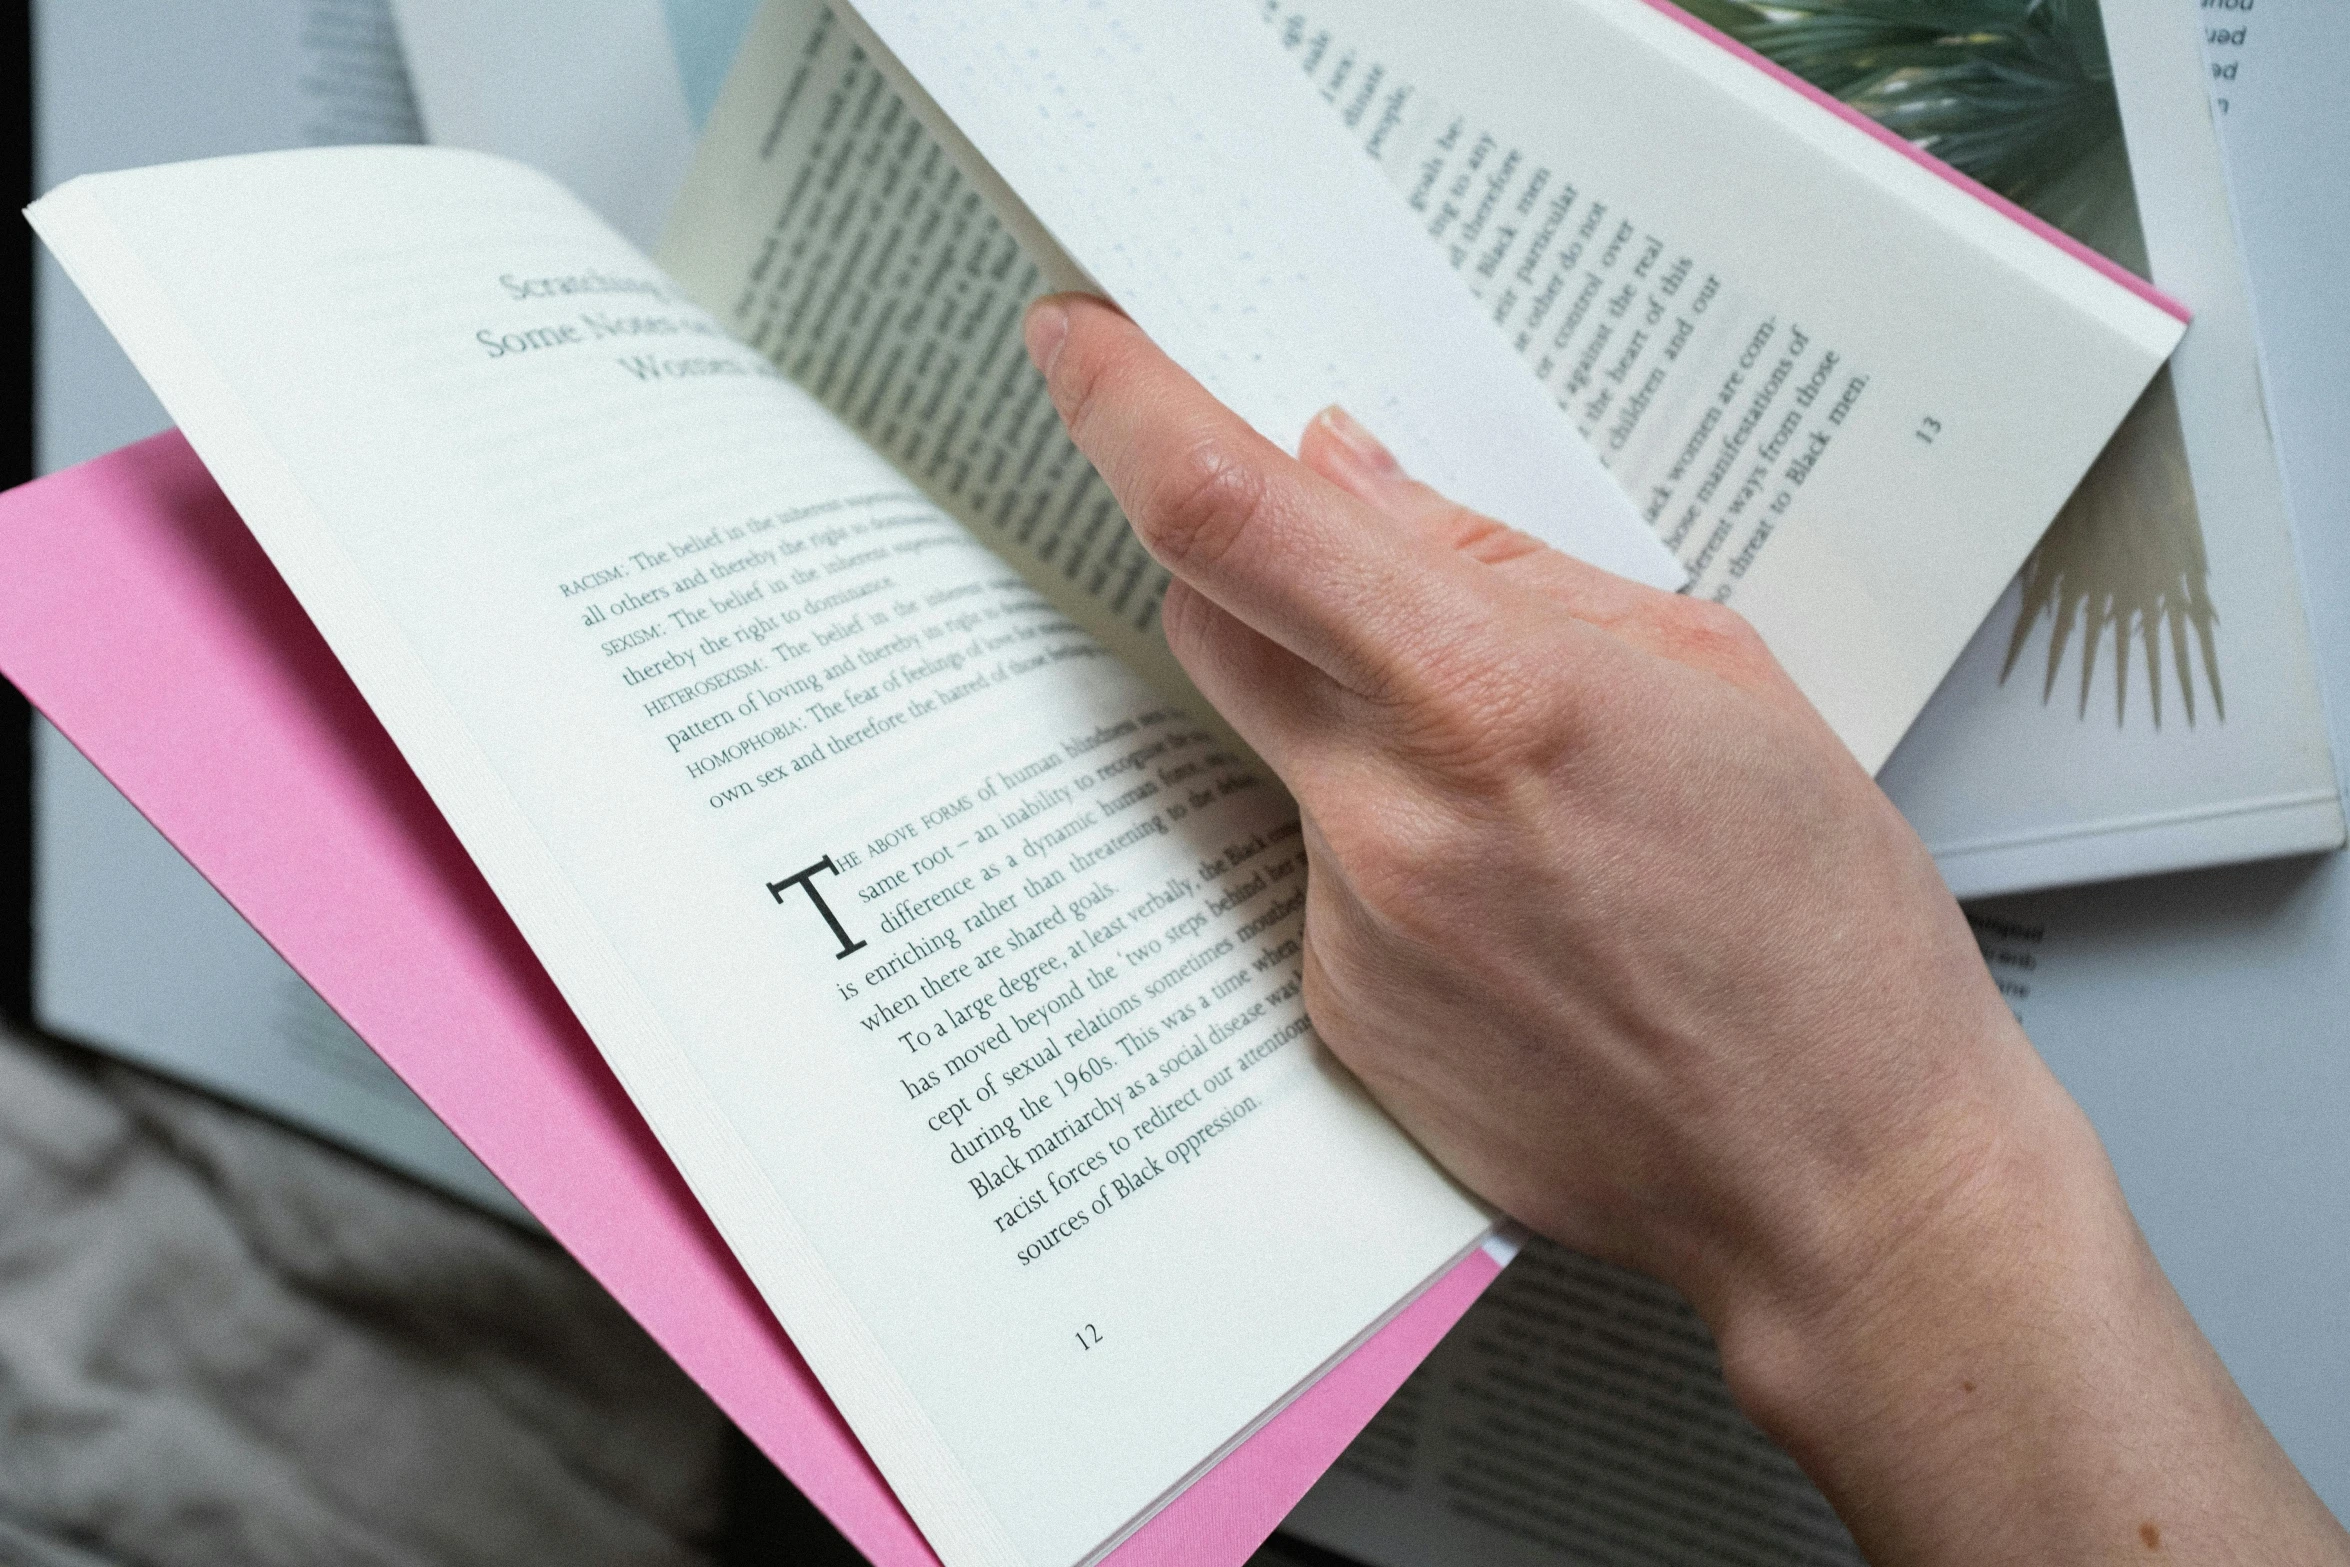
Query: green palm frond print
{"points": [[2019, 94]]}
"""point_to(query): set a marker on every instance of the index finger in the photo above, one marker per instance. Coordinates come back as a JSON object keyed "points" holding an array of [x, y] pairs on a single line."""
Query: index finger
{"points": [[1345, 587]]}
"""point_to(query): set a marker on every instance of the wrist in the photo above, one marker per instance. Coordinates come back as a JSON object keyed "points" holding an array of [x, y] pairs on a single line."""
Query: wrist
{"points": [[1916, 1366], [2011, 1377]]}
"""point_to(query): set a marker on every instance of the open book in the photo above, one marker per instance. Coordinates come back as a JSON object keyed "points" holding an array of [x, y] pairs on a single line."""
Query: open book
{"points": [[822, 745], [1845, 388]]}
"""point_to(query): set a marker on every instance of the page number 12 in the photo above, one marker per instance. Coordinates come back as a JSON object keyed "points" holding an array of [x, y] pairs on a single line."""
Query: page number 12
{"points": [[1928, 428], [1088, 1336]]}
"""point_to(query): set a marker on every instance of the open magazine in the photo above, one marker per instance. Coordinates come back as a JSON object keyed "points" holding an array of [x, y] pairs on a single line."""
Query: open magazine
{"points": [[806, 711]]}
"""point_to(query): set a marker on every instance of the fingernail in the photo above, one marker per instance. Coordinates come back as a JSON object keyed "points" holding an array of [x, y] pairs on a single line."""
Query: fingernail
{"points": [[1360, 443], [1046, 329]]}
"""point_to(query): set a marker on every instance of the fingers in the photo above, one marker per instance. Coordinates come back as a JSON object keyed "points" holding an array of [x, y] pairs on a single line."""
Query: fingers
{"points": [[1342, 560], [1669, 625], [1342, 451], [1337, 447], [1279, 703], [1336, 582]]}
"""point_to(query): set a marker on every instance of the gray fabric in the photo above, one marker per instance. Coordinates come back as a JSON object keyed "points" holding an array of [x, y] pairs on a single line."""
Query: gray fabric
{"points": [[223, 1343]]}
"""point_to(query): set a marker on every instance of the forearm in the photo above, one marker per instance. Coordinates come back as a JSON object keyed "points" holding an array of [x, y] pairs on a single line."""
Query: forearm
{"points": [[2020, 1383]]}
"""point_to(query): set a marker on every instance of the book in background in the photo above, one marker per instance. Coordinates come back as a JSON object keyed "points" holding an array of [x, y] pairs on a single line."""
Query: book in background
{"points": [[608, 98], [16, 466], [133, 953], [2203, 1020], [2145, 697]]}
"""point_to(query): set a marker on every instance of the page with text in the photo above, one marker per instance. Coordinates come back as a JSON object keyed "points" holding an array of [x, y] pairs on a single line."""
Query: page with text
{"points": [[834, 199], [2146, 698], [1576, 1415], [957, 970], [826, 228], [1848, 394]]}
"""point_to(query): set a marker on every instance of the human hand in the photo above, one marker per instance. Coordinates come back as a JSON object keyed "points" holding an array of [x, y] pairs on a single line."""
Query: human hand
{"points": [[1610, 921], [1598, 906]]}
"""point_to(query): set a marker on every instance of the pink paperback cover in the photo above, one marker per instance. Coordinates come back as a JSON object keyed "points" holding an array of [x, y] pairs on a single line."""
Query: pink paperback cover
{"points": [[138, 614]]}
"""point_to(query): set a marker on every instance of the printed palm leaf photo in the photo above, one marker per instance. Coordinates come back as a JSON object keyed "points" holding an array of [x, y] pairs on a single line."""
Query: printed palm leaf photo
{"points": [[2019, 94]]}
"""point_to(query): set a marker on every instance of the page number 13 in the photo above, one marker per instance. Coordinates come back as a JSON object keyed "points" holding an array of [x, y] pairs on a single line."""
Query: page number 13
{"points": [[1088, 1336], [1928, 428]]}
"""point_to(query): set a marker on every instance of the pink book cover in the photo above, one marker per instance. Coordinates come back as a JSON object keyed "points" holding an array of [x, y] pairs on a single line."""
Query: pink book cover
{"points": [[138, 614]]}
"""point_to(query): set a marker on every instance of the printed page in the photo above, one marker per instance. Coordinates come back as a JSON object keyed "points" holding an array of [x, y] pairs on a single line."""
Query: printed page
{"points": [[1847, 394], [1250, 254], [2145, 698], [2196, 1017], [1577, 1414], [828, 229], [2233, 58], [136, 954], [956, 970]]}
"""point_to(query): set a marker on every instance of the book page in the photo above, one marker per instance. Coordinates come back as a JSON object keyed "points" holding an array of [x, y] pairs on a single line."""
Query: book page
{"points": [[957, 971], [829, 230], [1196, 182], [826, 223], [1847, 394], [1576, 1414]]}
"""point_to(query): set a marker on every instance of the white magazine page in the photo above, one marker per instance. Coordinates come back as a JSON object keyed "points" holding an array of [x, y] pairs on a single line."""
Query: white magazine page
{"points": [[1847, 393], [1183, 164], [606, 96], [2201, 1019], [2145, 700], [136, 954], [957, 973]]}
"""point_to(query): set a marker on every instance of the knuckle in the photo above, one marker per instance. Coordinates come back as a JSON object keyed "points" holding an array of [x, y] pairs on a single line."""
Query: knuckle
{"points": [[1377, 860], [1486, 723], [1492, 543], [1410, 889], [1715, 633], [1198, 503], [1185, 615]]}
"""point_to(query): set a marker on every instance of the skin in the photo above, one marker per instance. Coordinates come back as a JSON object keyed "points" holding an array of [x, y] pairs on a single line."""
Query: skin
{"points": [[1611, 922]]}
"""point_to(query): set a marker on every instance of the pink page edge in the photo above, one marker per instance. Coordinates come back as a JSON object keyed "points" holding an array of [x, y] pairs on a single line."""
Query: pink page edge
{"points": [[142, 619], [2110, 268]]}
